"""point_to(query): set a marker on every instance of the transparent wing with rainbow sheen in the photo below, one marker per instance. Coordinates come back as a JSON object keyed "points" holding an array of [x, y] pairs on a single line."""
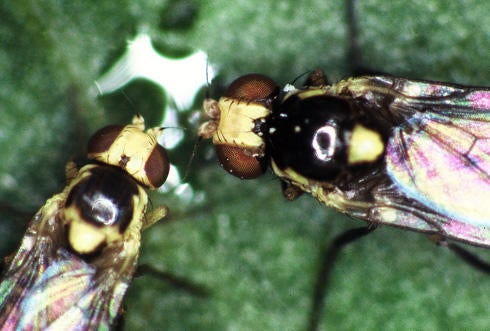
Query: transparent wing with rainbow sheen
{"points": [[46, 286], [70, 296], [438, 156]]}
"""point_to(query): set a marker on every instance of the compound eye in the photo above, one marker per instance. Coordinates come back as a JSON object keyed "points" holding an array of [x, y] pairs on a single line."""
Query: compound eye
{"points": [[157, 167], [253, 88], [237, 162], [102, 140], [133, 150]]}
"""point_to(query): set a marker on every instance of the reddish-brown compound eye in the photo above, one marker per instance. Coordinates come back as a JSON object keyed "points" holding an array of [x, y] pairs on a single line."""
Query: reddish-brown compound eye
{"points": [[254, 88], [157, 166], [132, 149], [102, 140], [237, 162]]}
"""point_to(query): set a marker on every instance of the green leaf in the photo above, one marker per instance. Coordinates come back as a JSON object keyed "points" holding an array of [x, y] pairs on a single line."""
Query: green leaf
{"points": [[256, 253]]}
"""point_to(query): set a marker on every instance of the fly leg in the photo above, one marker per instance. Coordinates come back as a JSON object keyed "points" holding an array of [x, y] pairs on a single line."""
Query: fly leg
{"points": [[175, 281], [354, 54], [328, 258], [468, 257]]}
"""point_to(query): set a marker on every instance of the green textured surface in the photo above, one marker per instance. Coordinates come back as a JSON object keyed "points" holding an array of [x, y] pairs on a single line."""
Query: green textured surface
{"points": [[256, 252]]}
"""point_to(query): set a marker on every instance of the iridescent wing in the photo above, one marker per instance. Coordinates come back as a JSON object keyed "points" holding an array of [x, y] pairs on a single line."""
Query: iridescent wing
{"points": [[72, 294], [437, 158], [80, 250], [31, 259], [47, 286]]}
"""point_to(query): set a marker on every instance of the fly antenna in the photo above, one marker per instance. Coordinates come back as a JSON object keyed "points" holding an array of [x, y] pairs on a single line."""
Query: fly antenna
{"points": [[299, 76], [191, 158], [208, 83]]}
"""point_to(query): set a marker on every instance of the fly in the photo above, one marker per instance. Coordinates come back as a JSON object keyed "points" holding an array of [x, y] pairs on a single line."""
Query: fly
{"points": [[80, 251], [386, 150]]}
